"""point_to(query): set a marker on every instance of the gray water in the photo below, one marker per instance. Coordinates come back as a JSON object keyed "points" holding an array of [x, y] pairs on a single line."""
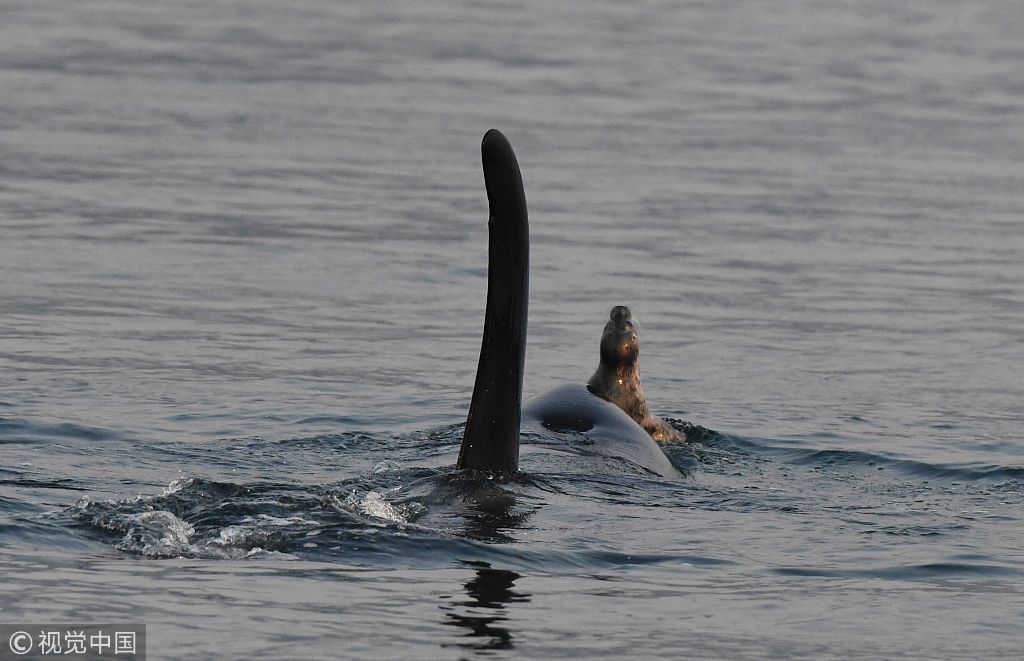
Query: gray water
{"points": [[243, 267]]}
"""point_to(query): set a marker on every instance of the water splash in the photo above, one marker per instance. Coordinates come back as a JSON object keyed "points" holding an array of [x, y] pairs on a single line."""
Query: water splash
{"points": [[374, 504]]}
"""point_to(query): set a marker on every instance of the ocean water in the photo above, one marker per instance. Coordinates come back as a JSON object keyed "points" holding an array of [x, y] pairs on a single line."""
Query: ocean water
{"points": [[243, 271]]}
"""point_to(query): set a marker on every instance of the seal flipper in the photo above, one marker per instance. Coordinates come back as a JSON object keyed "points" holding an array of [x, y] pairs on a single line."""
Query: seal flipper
{"points": [[491, 439]]}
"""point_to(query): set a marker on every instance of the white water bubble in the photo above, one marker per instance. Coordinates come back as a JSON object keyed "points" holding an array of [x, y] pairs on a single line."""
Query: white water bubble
{"points": [[384, 467], [176, 485], [157, 533]]}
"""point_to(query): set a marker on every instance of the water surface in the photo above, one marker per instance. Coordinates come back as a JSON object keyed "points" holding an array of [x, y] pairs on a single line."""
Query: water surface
{"points": [[244, 268]]}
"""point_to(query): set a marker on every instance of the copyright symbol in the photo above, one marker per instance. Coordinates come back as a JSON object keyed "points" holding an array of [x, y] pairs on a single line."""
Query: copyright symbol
{"points": [[21, 642]]}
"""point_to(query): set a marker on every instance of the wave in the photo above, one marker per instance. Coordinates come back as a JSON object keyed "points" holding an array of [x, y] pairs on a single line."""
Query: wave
{"points": [[925, 571], [828, 458], [351, 499], [17, 430], [388, 517]]}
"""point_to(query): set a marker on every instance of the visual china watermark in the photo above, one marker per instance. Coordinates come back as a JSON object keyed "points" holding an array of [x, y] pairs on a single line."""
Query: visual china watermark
{"points": [[125, 642]]}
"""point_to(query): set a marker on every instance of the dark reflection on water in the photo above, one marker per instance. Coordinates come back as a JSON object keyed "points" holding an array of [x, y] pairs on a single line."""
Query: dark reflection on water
{"points": [[488, 508], [489, 591], [494, 514]]}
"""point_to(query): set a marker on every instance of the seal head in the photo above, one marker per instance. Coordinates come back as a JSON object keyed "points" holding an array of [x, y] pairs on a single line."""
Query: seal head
{"points": [[617, 378]]}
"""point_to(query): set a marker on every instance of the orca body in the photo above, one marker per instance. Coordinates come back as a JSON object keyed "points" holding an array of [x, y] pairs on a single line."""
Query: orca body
{"points": [[491, 438], [571, 409]]}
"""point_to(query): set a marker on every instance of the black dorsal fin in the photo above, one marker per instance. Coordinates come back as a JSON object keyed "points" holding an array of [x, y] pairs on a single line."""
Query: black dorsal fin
{"points": [[491, 439]]}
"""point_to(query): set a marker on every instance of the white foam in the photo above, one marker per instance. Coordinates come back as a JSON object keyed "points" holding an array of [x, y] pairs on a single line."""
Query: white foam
{"points": [[384, 467], [371, 504], [375, 505], [176, 485], [157, 533]]}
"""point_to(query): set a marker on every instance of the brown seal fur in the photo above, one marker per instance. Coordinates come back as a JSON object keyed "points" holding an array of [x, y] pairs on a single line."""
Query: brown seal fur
{"points": [[617, 378]]}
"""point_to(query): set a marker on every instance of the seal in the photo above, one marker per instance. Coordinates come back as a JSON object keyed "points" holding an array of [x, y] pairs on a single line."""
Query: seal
{"points": [[490, 441], [617, 378]]}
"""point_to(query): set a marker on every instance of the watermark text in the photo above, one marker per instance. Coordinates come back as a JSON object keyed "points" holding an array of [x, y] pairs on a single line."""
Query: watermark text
{"points": [[75, 642]]}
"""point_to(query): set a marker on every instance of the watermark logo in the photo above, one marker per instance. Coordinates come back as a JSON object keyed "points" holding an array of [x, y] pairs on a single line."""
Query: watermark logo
{"points": [[121, 642], [21, 642]]}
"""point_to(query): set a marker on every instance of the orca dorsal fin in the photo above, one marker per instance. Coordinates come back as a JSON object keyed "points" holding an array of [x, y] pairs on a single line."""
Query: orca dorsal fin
{"points": [[491, 439]]}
